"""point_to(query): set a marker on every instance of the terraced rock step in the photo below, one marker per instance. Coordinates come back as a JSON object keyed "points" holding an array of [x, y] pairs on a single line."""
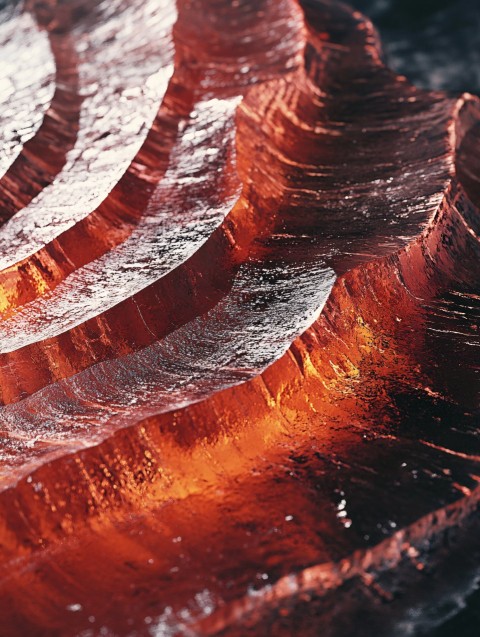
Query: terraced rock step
{"points": [[239, 309]]}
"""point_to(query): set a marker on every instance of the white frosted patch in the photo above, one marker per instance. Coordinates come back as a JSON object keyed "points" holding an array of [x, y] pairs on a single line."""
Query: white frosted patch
{"points": [[269, 305], [125, 66], [168, 234], [27, 84]]}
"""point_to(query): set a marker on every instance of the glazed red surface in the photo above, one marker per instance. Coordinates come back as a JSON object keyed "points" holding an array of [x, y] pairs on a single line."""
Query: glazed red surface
{"points": [[249, 376]]}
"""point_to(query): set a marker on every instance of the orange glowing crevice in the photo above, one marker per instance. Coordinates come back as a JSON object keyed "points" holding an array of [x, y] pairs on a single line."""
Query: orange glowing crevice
{"points": [[248, 377]]}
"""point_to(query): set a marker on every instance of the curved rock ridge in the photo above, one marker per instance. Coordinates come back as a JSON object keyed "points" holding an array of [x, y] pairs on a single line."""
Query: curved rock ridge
{"points": [[239, 364], [112, 222], [318, 226], [122, 79], [304, 213], [27, 81], [163, 238], [32, 169]]}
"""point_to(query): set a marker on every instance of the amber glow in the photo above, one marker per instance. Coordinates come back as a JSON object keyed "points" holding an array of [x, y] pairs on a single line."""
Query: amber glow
{"points": [[247, 374]]}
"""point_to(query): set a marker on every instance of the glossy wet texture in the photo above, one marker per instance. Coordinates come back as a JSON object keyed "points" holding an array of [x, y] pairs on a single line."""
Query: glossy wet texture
{"points": [[239, 330]]}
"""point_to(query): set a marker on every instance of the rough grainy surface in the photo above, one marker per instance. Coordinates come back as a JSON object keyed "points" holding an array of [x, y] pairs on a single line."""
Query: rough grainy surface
{"points": [[26, 82], [125, 59], [239, 314]]}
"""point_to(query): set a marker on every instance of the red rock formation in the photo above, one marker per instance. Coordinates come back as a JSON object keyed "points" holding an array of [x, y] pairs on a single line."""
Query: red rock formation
{"points": [[238, 339]]}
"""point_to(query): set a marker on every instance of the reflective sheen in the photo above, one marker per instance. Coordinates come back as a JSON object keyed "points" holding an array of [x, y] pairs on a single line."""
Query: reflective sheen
{"points": [[239, 310]]}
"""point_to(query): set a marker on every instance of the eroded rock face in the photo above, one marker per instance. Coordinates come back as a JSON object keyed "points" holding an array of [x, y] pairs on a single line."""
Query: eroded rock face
{"points": [[239, 299]]}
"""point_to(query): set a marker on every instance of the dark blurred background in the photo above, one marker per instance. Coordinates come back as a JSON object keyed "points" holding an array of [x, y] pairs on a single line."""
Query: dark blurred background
{"points": [[435, 43]]}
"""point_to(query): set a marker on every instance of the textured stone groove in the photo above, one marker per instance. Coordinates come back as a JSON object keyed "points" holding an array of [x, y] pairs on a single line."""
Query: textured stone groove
{"points": [[328, 255]]}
